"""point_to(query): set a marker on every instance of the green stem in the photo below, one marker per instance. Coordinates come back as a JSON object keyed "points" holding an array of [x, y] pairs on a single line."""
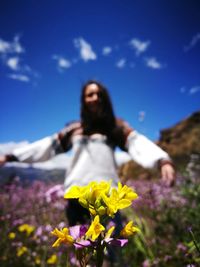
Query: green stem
{"points": [[100, 253], [194, 241]]}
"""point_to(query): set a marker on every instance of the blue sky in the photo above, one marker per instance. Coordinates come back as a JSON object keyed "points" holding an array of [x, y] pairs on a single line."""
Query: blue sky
{"points": [[147, 53]]}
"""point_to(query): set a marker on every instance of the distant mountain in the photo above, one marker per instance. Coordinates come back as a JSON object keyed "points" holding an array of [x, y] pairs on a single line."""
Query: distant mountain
{"points": [[181, 141], [51, 170], [9, 147]]}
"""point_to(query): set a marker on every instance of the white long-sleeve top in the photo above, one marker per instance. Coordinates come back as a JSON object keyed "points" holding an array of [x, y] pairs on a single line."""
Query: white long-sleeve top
{"points": [[92, 156]]}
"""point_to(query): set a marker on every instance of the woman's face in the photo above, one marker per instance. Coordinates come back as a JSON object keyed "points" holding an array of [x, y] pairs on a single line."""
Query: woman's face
{"points": [[92, 97]]}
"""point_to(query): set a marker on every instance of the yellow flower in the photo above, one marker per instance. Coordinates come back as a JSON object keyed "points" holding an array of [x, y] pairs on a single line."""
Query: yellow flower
{"points": [[113, 202], [101, 210], [53, 259], [119, 198], [90, 196], [11, 235], [129, 230], [26, 228], [109, 232], [95, 229], [95, 190], [126, 192], [76, 192], [21, 251], [37, 260], [93, 196], [90, 192], [63, 237], [92, 211]]}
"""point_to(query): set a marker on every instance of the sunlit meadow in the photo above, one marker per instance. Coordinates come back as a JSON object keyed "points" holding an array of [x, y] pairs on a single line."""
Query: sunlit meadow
{"points": [[168, 219]]}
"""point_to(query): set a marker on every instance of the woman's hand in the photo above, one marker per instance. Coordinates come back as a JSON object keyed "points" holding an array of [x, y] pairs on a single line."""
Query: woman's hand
{"points": [[168, 174]]}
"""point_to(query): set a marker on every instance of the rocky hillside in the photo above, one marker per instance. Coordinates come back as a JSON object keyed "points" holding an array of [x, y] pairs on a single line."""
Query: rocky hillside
{"points": [[181, 141]]}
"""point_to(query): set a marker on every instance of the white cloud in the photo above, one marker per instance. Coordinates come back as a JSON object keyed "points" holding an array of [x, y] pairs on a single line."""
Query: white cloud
{"points": [[194, 90], [5, 47], [11, 57], [19, 77], [191, 91], [106, 50], [85, 49], [17, 47], [11, 47], [139, 46], [62, 63], [153, 63], [193, 42], [141, 116], [121, 63], [13, 63]]}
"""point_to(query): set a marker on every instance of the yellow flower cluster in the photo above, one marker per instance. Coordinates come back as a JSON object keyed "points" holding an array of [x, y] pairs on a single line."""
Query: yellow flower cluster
{"points": [[96, 228], [11, 235], [101, 199], [93, 232], [53, 259], [21, 251], [27, 228]]}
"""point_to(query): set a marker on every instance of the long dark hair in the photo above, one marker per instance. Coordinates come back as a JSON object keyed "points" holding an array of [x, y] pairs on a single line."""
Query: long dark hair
{"points": [[103, 121]]}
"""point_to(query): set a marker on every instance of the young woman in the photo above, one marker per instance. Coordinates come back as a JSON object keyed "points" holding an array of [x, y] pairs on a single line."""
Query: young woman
{"points": [[93, 140]]}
